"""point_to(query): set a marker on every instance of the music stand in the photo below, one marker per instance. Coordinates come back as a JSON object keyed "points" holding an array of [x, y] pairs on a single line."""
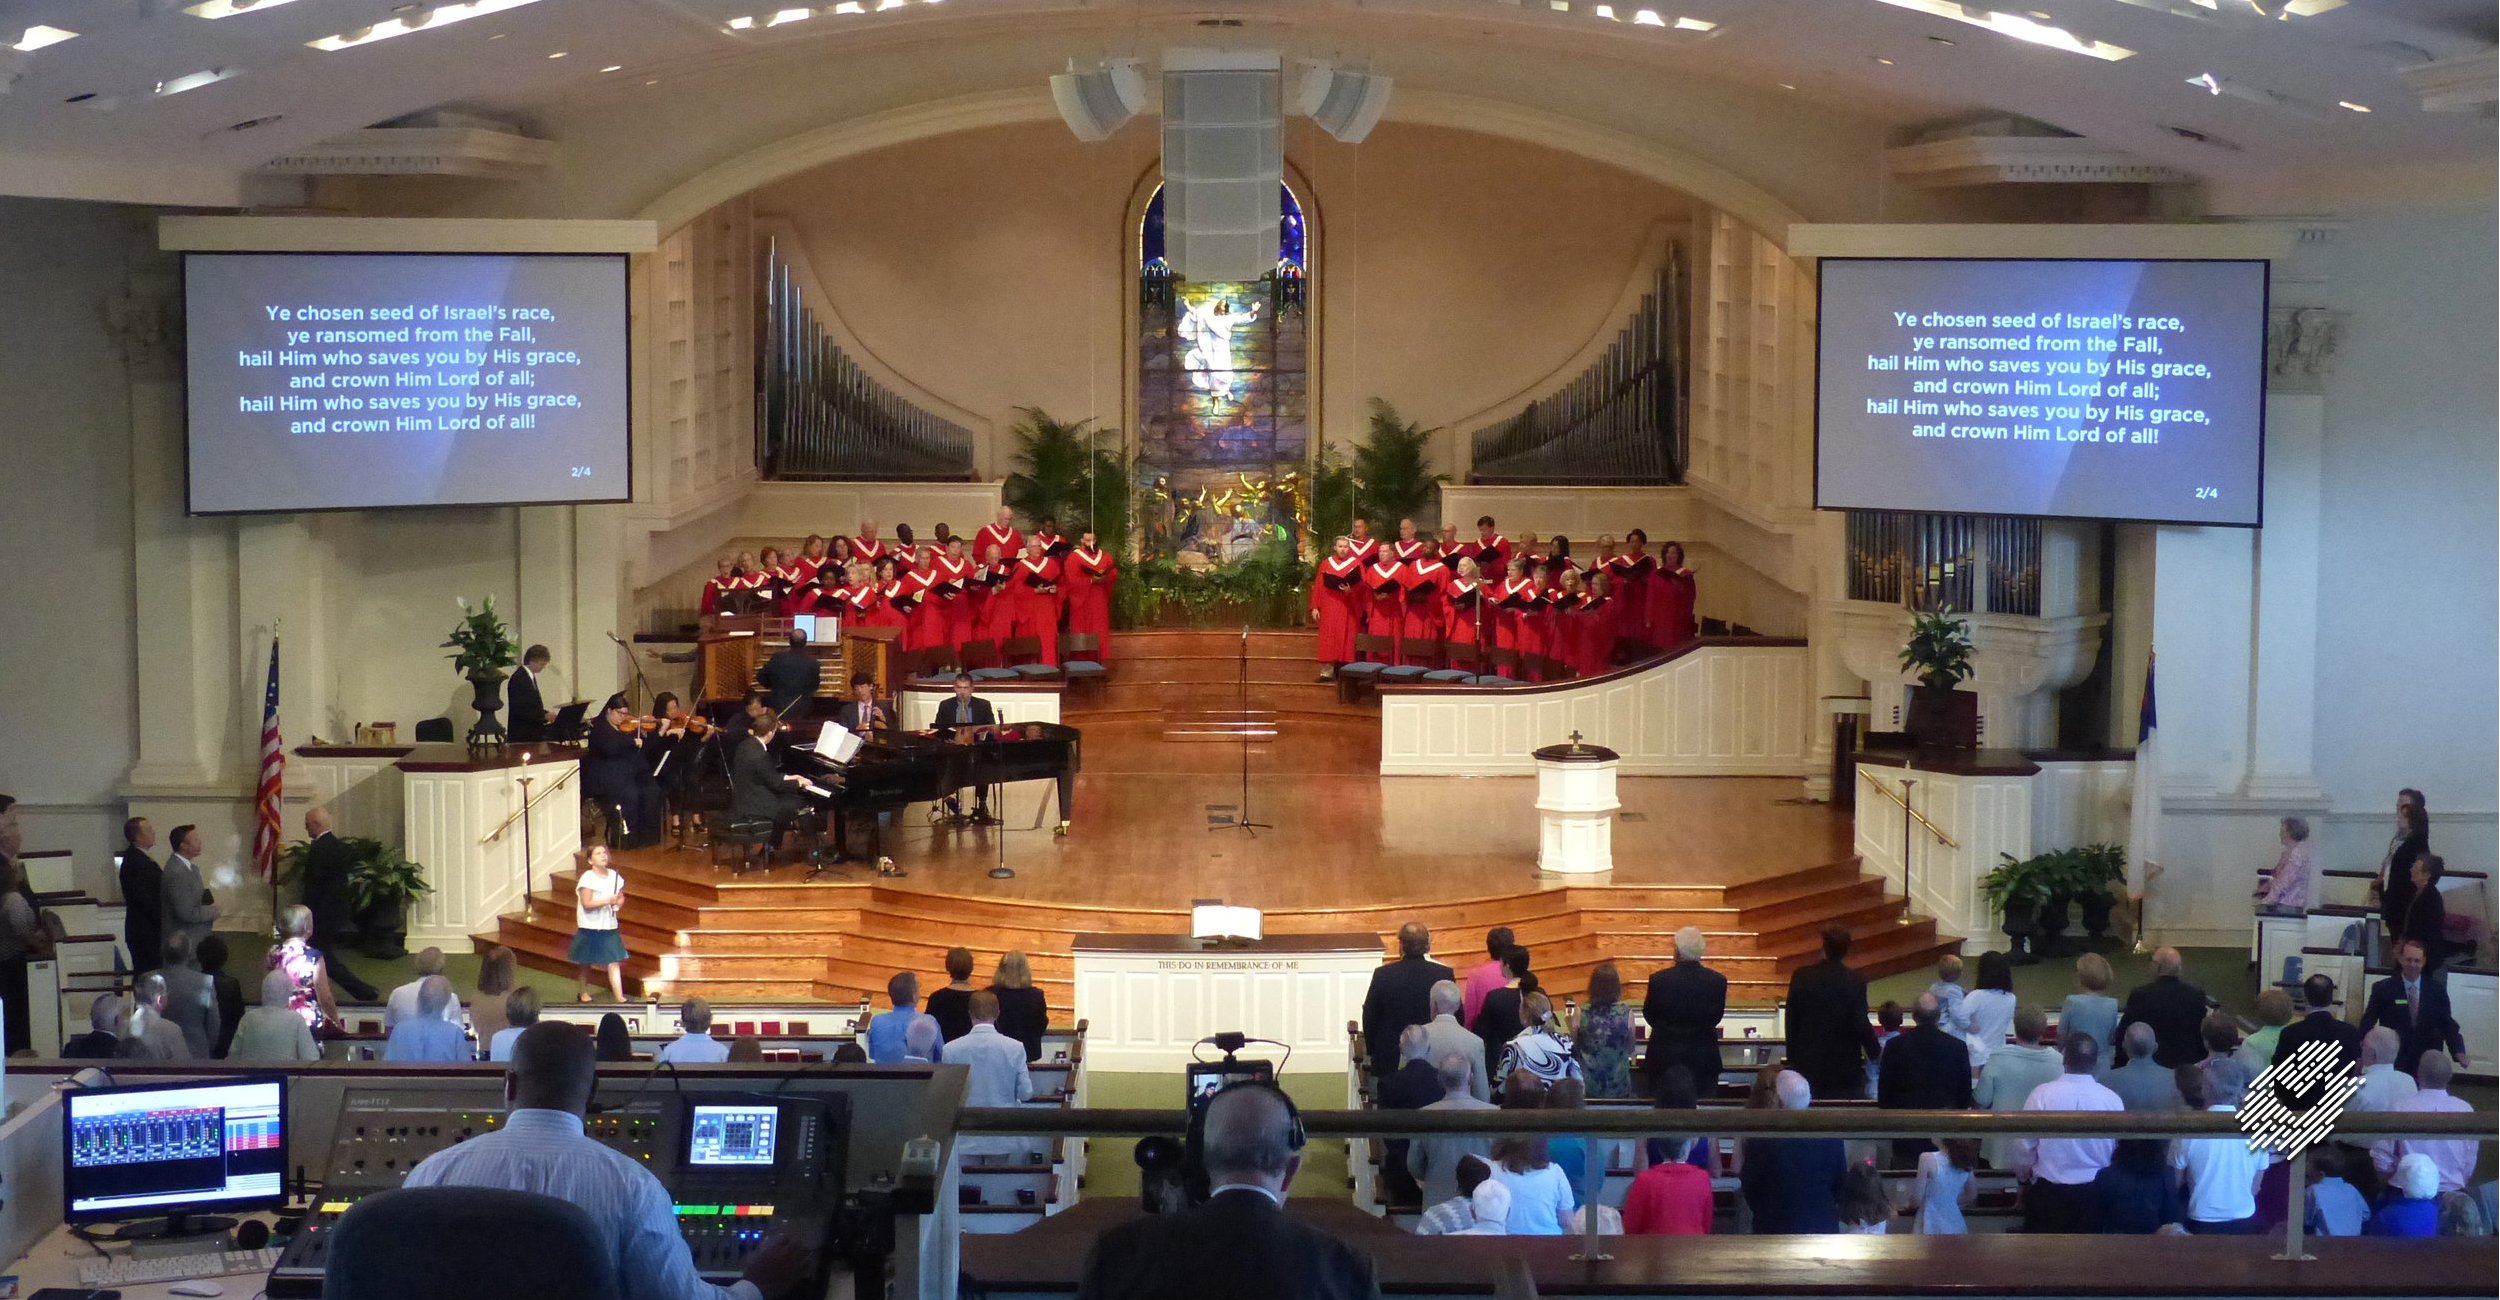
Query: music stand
{"points": [[1241, 820]]}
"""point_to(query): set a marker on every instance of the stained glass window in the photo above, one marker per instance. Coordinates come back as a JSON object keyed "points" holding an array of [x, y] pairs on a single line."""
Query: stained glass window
{"points": [[1223, 397]]}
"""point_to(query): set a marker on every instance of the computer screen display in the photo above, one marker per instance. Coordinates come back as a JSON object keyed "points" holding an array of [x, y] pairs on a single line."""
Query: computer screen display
{"points": [[129, 1152], [733, 1137], [1207, 1078]]}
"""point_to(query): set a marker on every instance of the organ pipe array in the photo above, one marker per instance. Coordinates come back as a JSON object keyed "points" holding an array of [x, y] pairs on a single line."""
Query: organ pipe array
{"points": [[819, 414], [1622, 421]]}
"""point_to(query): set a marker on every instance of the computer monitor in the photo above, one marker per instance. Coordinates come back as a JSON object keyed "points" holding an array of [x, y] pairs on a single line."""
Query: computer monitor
{"points": [[1207, 1078], [166, 1150], [733, 1135]]}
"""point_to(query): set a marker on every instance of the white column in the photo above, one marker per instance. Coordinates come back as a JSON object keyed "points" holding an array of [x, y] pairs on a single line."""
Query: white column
{"points": [[2282, 744]]}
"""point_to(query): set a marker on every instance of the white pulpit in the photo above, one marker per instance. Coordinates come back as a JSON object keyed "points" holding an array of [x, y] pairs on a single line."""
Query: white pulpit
{"points": [[1146, 999], [1575, 806], [462, 826]]}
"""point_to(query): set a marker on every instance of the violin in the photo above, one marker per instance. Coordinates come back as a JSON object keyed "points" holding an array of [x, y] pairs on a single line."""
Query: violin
{"points": [[692, 724]]}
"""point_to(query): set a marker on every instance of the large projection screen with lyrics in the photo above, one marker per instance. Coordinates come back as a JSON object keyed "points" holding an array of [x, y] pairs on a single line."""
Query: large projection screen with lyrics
{"points": [[350, 381], [2089, 389]]}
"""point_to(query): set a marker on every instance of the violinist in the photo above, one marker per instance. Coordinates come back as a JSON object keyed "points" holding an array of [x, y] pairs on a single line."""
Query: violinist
{"points": [[670, 737], [617, 776]]}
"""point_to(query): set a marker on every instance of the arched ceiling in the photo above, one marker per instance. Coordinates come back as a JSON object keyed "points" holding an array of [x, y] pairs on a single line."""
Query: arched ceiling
{"points": [[114, 113]]}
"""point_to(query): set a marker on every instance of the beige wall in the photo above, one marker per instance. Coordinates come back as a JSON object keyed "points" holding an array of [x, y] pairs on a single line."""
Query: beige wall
{"points": [[1457, 271]]}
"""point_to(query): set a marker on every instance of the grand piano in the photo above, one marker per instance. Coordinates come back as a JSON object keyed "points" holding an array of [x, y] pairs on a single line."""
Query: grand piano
{"points": [[895, 768]]}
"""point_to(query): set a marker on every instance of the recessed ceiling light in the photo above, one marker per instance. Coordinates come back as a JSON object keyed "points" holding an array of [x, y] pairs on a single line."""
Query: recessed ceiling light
{"points": [[498, 36], [213, 9], [652, 82], [613, 67], [39, 36], [194, 80], [1880, 59], [1695, 25], [1648, 18], [1785, 86], [435, 19], [2035, 27], [2358, 108]]}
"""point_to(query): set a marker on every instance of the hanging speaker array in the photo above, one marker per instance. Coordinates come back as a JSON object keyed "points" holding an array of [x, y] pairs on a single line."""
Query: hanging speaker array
{"points": [[1097, 101]]}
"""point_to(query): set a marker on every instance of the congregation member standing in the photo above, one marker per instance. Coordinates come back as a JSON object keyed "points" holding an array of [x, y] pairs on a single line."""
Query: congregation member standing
{"points": [[2092, 1010], [2058, 1173], [1400, 995], [1602, 1039], [1684, 1005], [1793, 1185], [1830, 1038], [187, 903], [1023, 1014], [2417, 1008], [2317, 995], [2173, 1007], [1433, 1161], [143, 894], [2005, 1083], [951, 1006], [323, 888], [998, 1078], [1925, 1068]]}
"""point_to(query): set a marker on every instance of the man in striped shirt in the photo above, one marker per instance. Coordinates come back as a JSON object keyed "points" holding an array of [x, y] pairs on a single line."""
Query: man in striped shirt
{"points": [[541, 1148]]}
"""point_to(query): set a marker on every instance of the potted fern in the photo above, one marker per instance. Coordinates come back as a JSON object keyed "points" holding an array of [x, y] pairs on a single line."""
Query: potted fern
{"points": [[1939, 655], [382, 884], [482, 651]]}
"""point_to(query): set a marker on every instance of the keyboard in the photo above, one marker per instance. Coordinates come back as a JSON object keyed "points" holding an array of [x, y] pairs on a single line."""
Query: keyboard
{"points": [[128, 1271]]}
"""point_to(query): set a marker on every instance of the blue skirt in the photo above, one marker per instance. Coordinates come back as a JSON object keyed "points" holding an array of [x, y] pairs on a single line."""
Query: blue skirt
{"points": [[596, 948]]}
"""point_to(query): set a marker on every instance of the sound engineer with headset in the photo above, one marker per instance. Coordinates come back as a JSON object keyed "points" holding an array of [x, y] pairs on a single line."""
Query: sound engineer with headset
{"points": [[541, 1148]]}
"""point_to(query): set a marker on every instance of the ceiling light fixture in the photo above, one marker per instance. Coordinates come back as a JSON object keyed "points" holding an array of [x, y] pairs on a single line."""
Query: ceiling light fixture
{"points": [[2358, 108], [215, 9], [41, 37], [1880, 59], [439, 17], [1695, 25], [559, 54], [194, 80], [1648, 18], [2034, 28], [613, 67]]}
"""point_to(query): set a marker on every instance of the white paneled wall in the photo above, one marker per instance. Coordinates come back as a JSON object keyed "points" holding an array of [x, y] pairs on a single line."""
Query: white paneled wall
{"points": [[1719, 710], [450, 815], [1143, 1010], [1983, 815], [362, 791]]}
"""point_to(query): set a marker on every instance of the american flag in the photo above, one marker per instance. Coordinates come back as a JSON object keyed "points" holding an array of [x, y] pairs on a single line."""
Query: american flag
{"points": [[272, 777]]}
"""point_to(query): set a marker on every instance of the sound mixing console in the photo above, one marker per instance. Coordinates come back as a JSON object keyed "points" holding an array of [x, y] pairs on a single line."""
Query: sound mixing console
{"points": [[740, 1166]]}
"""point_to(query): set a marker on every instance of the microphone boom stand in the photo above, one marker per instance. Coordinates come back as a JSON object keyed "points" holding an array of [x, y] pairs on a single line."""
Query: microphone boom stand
{"points": [[1241, 819]]}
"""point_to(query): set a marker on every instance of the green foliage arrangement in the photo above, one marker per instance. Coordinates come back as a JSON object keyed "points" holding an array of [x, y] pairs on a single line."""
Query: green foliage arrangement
{"points": [[1389, 472], [482, 645], [2059, 875], [1940, 649], [1267, 587], [1332, 500], [379, 874], [1064, 471]]}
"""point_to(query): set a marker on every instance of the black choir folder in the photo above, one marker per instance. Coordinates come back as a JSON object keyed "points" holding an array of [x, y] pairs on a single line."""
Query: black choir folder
{"points": [[1213, 924]]}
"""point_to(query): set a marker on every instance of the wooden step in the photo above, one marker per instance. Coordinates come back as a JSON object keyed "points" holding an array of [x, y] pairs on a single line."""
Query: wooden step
{"points": [[1224, 671]]}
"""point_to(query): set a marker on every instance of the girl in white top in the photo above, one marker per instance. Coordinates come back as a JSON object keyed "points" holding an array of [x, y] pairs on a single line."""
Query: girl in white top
{"points": [[598, 894], [1945, 1188], [1987, 1012]]}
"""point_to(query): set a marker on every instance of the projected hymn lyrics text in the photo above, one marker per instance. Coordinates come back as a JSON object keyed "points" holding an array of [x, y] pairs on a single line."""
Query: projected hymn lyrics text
{"points": [[2110, 380], [410, 368]]}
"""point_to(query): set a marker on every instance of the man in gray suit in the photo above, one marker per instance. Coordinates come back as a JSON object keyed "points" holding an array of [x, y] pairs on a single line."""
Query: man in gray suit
{"points": [[190, 999], [187, 908], [2143, 1083], [1449, 1038], [1433, 1161]]}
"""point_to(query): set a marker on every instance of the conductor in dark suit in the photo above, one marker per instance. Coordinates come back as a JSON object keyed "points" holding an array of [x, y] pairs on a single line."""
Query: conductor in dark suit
{"points": [[791, 675], [2173, 1007], [323, 888], [1830, 1038], [143, 895], [1400, 995], [527, 711], [2416, 1007], [1925, 1068], [2318, 994], [1685, 1004], [1241, 1243]]}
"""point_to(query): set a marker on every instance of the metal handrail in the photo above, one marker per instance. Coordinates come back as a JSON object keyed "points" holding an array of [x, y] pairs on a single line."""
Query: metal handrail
{"points": [[1904, 804], [1849, 1122]]}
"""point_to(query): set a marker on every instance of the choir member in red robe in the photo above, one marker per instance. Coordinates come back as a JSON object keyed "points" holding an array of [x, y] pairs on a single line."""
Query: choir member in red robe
{"points": [[868, 600], [903, 552], [724, 572], [1384, 599], [865, 547], [1408, 548], [893, 605], [1600, 619], [1366, 548], [1427, 612], [926, 629], [1335, 593], [1450, 549], [1492, 551], [1635, 579], [831, 594], [1053, 545], [1521, 602], [1569, 623], [1090, 571], [1001, 535], [1034, 582], [996, 616], [1470, 606], [1558, 561], [1672, 601], [950, 591], [774, 575]]}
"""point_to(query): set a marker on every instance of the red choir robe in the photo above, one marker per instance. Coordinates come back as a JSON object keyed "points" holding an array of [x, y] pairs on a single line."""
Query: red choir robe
{"points": [[1471, 617], [1671, 608], [1035, 587], [829, 596], [950, 594], [924, 627], [1089, 577], [1635, 579], [996, 617], [1492, 556], [868, 550], [1384, 603], [1405, 552], [1009, 542], [1592, 644], [1523, 623], [712, 589], [1427, 612], [1450, 553], [1335, 592], [1366, 549]]}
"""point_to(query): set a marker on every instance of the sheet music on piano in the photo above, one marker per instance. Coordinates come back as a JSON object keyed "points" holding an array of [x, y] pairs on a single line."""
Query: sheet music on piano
{"points": [[837, 744]]}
